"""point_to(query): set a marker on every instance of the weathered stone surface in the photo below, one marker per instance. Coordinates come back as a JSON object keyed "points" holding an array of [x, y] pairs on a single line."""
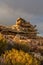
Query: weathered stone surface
{"points": [[25, 28], [25, 33]]}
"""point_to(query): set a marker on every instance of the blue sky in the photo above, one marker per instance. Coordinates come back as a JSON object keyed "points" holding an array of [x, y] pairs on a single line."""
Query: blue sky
{"points": [[31, 10]]}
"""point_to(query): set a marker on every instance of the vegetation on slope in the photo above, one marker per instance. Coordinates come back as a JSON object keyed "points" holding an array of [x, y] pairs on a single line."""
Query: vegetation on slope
{"points": [[3, 44], [16, 51], [15, 57]]}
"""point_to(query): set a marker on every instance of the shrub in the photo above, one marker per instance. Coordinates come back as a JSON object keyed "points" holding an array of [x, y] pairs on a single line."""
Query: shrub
{"points": [[3, 44], [15, 57]]}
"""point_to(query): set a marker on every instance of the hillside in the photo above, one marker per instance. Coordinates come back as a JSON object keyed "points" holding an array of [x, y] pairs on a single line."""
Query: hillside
{"points": [[21, 36]]}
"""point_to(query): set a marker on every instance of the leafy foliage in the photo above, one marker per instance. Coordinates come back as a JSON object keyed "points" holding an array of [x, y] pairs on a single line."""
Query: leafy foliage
{"points": [[3, 44], [15, 57]]}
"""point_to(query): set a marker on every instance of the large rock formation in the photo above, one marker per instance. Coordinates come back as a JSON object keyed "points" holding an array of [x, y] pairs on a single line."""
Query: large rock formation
{"points": [[23, 33], [24, 28]]}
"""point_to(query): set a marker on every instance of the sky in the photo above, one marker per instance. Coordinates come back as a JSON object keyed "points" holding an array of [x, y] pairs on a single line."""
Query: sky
{"points": [[30, 10]]}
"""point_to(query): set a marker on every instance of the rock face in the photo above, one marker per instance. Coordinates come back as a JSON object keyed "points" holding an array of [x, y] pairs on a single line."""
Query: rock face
{"points": [[24, 28]]}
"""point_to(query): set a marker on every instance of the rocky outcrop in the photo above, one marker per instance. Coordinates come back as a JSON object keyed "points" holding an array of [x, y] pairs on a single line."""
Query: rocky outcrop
{"points": [[22, 33], [25, 28]]}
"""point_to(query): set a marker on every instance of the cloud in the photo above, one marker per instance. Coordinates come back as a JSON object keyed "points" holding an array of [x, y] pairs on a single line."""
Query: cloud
{"points": [[10, 10], [5, 11], [9, 15], [38, 20], [34, 7]]}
